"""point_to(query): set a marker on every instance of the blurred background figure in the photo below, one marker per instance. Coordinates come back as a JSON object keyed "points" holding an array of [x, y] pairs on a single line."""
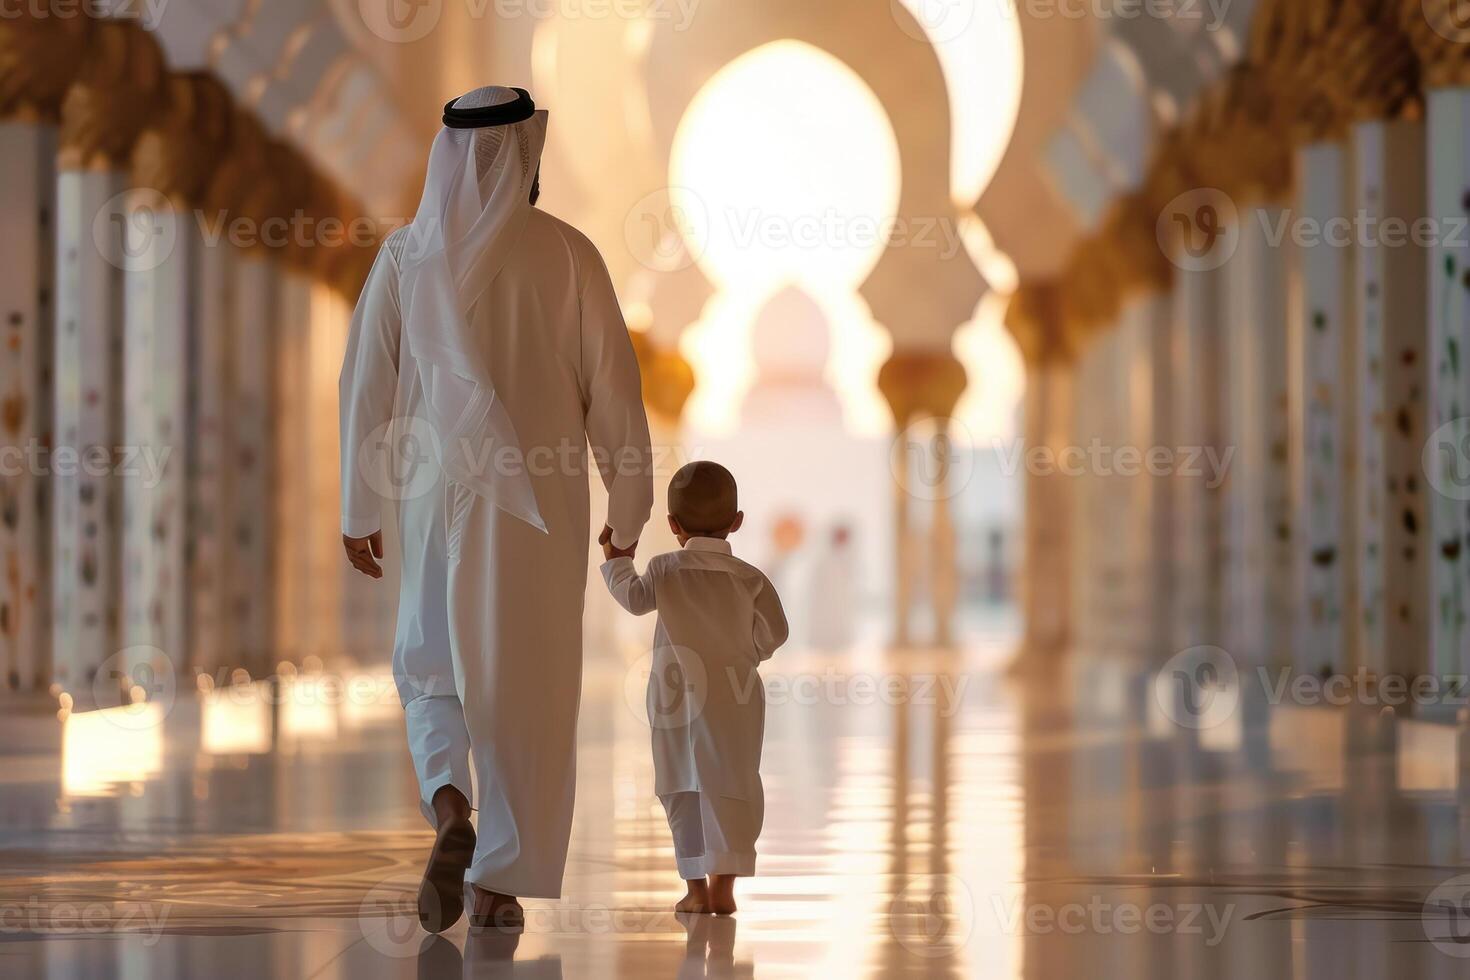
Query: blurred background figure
{"points": [[832, 592]]}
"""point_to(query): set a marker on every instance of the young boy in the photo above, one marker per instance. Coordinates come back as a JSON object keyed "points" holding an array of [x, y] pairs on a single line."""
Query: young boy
{"points": [[717, 619]]}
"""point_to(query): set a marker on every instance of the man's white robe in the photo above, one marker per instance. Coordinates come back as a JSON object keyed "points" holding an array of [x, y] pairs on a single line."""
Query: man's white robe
{"points": [[488, 655]]}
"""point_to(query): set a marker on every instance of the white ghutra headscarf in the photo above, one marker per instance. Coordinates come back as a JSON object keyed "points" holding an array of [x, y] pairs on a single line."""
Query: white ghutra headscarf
{"points": [[477, 196]]}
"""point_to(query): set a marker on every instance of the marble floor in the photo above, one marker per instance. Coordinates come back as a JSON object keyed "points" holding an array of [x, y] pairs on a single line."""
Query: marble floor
{"points": [[925, 817]]}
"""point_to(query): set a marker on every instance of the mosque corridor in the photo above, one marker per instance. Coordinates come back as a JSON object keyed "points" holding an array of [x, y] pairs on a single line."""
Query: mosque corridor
{"points": [[926, 816]]}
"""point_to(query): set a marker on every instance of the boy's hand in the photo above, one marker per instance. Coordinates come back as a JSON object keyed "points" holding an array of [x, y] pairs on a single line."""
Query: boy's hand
{"points": [[610, 550]]}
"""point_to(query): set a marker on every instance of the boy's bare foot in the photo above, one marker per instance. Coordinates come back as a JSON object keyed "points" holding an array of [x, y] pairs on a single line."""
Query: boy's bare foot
{"points": [[496, 911], [441, 896], [722, 894], [696, 898]]}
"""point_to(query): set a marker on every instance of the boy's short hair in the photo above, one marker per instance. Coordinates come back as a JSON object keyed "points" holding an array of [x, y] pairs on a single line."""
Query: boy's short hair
{"points": [[703, 497]]}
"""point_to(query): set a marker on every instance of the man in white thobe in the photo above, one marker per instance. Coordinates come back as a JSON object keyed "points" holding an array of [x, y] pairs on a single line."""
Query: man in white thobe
{"points": [[486, 352]]}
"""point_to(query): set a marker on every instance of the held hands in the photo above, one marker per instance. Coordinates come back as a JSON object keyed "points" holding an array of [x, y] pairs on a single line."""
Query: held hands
{"points": [[610, 550], [365, 553]]}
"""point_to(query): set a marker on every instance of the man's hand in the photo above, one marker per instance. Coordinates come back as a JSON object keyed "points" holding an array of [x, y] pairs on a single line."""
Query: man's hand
{"points": [[610, 550], [365, 553]]}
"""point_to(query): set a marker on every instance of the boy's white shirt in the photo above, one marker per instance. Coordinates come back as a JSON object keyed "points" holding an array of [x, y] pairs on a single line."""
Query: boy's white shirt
{"points": [[718, 618]]}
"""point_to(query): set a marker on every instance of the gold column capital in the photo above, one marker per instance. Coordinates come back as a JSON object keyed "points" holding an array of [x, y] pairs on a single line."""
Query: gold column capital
{"points": [[265, 193], [1131, 231], [336, 225], [921, 383], [304, 210], [40, 57], [354, 264], [241, 166], [1092, 291], [1379, 63], [1291, 44], [1034, 318], [178, 149], [1336, 62], [1237, 139], [668, 379], [1435, 29], [116, 90]]}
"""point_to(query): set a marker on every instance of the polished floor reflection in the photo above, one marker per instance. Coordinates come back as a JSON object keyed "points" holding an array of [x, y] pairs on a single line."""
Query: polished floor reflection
{"points": [[925, 817]]}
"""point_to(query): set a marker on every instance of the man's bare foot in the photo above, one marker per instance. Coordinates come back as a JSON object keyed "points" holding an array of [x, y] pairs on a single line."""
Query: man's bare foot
{"points": [[696, 898], [722, 894], [496, 911], [441, 896]]}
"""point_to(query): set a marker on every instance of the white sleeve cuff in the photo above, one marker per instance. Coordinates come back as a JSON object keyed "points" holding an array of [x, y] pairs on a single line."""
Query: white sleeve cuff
{"points": [[611, 566], [360, 527], [623, 541]]}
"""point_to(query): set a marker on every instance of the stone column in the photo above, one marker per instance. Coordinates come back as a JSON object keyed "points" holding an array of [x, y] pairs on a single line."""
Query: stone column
{"points": [[161, 259], [1161, 425], [101, 117], [1144, 379], [242, 193], [922, 387], [229, 287], [1088, 501], [211, 418], [905, 564], [249, 525], [292, 464], [922, 383], [944, 577], [1115, 571], [1446, 377], [27, 254], [86, 545], [1393, 567], [1199, 371], [668, 382], [41, 55], [1320, 321], [1258, 579], [1045, 580], [170, 289]]}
